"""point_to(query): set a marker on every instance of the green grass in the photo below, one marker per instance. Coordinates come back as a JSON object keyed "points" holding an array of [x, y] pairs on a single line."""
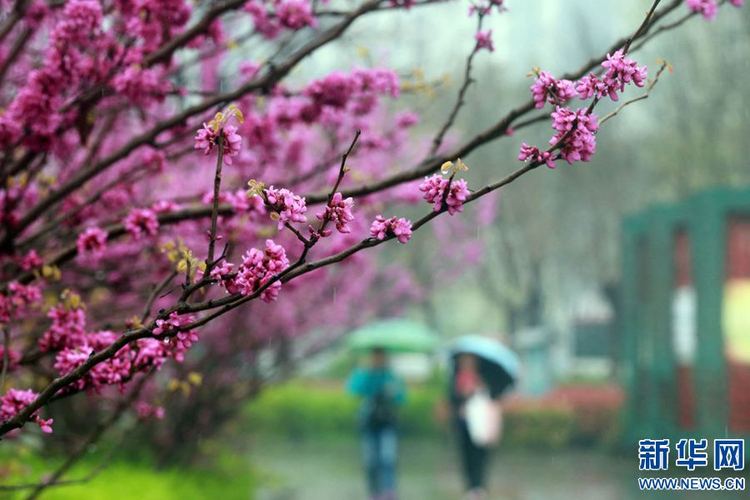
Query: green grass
{"points": [[231, 479]]}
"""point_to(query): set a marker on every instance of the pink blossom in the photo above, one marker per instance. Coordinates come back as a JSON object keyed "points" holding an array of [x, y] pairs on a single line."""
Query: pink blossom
{"points": [[244, 204], [13, 358], [149, 353], [142, 86], [181, 343], [434, 192], [10, 131], [145, 411], [80, 18], [115, 370], [92, 243], [578, 129], [180, 339], [222, 273], [232, 143], [206, 139], [164, 206], [707, 8], [484, 40], [19, 299], [141, 222], [592, 86], [259, 267], [620, 71], [295, 14], [264, 23], [15, 400], [361, 87], [286, 205], [173, 322], [67, 328], [338, 211], [397, 227], [71, 358], [406, 119], [31, 261], [547, 89], [533, 154]]}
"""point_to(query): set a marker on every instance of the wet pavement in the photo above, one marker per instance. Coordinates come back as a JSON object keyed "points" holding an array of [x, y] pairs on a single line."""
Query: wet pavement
{"points": [[329, 470]]}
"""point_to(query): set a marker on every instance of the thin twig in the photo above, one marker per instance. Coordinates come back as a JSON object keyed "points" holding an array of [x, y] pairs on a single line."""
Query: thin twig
{"points": [[215, 205], [468, 80], [641, 97], [155, 294]]}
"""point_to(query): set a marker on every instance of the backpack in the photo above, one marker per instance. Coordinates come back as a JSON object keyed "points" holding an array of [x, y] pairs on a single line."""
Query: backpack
{"points": [[382, 411]]}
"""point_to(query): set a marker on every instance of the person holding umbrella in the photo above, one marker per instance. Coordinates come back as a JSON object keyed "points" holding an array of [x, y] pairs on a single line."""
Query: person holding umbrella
{"points": [[482, 370], [381, 392]]}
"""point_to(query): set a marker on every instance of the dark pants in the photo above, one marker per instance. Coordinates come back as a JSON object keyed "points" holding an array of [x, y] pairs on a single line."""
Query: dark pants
{"points": [[473, 457], [380, 451]]}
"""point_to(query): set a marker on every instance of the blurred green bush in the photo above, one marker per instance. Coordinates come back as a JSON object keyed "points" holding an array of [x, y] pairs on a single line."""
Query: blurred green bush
{"points": [[300, 410], [538, 426]]}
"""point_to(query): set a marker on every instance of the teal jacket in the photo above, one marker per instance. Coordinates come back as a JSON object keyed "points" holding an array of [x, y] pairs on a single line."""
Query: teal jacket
{"points": [[368, 383]]}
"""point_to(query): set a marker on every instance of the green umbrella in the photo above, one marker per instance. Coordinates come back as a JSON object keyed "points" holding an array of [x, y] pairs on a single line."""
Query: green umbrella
{"points": [[399, 335]]}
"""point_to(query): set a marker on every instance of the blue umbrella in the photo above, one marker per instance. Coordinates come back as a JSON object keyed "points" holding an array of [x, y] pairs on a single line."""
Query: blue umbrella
{"points": [[500, 366]]}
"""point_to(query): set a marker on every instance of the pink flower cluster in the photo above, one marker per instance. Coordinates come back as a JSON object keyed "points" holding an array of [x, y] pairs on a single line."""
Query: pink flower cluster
{"points": [[286, 205], [576, 130], [206, 139], [145, 411], [706, 8], [180, 340], [338, 211], [360, 88], [547, 89], [140, 356], [620, 71], [150, 353], [484, 40], [31, 261], [18, 300], [398, 227], [141, 222], [295, 14], [15, 400], [142, 86], [434, 192], [534, 155], [709, 8], [289, 14], [13, 358], [223, 274], [36, 107], [258, 268], [154, 21], [92, 243], [68, 328]]}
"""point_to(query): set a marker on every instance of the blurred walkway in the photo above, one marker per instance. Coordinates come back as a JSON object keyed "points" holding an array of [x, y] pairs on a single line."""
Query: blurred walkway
{"points": [[330, 471]]}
